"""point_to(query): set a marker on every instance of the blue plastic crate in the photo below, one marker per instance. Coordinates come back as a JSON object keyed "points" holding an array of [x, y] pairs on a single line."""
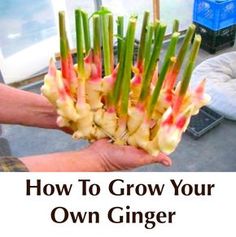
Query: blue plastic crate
{"points": [[215, 14]]}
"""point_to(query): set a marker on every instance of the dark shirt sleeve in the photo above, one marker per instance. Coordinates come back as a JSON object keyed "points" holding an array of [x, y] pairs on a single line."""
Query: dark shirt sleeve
{"points": [[11, 164]]}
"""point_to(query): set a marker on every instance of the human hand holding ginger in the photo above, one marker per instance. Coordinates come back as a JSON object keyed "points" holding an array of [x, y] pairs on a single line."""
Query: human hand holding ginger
{"points": [[29, 109], [98, 157], [116, 157]]}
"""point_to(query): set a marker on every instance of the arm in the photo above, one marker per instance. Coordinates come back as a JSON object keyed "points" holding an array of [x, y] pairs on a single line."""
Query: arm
{"points": [[25, 108], [100, 156]]}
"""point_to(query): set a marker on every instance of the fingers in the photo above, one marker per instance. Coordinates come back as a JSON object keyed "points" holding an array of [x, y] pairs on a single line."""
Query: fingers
{"points": [[163, 159], [140, 157], [127, 157], [146, 158]]}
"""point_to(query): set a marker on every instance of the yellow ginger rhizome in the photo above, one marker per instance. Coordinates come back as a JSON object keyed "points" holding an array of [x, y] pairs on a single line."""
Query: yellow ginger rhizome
{"points": [[113, 92]]}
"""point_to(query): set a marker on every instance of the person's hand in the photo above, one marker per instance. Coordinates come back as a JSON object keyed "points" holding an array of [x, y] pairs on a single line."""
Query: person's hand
{"points": [[100, 156], [115, 157]]}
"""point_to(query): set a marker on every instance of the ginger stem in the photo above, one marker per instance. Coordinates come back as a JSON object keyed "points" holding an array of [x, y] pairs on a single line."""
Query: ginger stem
{"points": [[105, 44], [97, 44], [149, 71], [168, 64], [143, 40], [116, 91], [148, 45], [120, 32], [86, 32], [130, 36], [184, 48], [110, 26], [79, 42], [175, 27], [171, 48], [157, 28], [170, 52], [62, 30], [190, 65]]}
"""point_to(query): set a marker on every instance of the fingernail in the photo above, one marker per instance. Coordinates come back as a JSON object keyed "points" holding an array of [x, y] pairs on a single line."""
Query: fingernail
{"points": [[165, 163]]}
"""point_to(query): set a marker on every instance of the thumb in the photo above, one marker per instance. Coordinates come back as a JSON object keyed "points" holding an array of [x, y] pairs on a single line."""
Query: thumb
{"points": [[161, 158]]}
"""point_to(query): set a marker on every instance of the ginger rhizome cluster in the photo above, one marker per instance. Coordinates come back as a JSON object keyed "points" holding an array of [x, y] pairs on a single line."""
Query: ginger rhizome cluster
{"points": [[131, 98]]}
